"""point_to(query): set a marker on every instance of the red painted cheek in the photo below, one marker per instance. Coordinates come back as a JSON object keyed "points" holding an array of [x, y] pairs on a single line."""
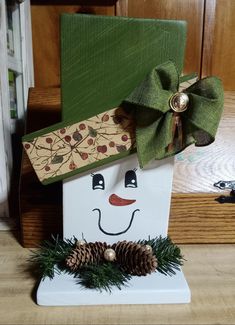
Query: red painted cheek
{"points": [[118, 201]]}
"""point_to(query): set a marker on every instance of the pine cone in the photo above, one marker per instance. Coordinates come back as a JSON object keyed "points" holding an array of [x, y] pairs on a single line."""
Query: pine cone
{"points": [[97, 251], [88, 253], [135, 259]]}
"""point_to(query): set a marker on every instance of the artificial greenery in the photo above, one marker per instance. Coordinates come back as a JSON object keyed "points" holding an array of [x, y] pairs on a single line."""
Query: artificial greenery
{"points": [[103, 276], [51, 255], [49, 258], [168, 254]]}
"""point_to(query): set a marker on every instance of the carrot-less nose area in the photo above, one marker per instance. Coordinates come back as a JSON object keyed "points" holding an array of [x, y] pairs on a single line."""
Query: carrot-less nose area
{"points": [[119, 201]]}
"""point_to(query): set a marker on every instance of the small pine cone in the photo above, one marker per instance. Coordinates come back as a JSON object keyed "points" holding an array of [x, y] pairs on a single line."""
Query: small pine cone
{"points": [[97, 251], [79, 257], [88, 253], [134, 258]]}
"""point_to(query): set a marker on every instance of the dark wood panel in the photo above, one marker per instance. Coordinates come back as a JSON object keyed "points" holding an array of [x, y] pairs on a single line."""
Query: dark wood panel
{"points": [[189, 10], [46, 40], [40, 206], [219, 40], [195, 217]]}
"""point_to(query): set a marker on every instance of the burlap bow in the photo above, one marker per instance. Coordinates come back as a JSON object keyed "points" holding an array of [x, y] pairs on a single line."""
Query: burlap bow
{"points": [[160, 131]]}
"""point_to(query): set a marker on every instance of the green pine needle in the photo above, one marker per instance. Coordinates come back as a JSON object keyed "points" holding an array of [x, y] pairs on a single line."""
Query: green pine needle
{"points": [[50, 257], [104, 276], [168, 254]]}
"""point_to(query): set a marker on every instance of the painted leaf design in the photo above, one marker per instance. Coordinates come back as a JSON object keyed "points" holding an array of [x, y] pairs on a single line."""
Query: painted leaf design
{"points": [[92, 132], [57, 159], [121, 148]]}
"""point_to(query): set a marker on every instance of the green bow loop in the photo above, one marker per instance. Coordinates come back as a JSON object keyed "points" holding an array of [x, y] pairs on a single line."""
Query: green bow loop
{"points": [[162, 132], [206, 105]]}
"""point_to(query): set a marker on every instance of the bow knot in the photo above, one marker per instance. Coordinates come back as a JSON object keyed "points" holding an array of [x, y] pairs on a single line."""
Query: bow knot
{"points": [[167, 121]]}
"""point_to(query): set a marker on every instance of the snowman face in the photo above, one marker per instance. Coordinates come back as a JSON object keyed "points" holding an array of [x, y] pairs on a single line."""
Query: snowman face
{"points": [[119, 201], [130, 180]]}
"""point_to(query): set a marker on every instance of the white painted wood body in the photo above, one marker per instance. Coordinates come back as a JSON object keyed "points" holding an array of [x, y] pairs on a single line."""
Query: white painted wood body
{"points": [[100, 205], [129, 197]]}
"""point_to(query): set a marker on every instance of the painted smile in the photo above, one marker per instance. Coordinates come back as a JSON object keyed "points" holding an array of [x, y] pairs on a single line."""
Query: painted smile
{"points": [[117, 233]]}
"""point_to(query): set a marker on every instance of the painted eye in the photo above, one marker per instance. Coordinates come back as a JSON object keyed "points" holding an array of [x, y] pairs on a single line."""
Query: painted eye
{"points": [[98, 182], [130, 179], [222, 184]]}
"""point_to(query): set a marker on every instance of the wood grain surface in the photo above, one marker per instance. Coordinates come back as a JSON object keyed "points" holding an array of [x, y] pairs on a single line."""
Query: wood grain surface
{"points": [[46, 35], [189, 10], [195, 215], [121, 8], [46, 46], [209, 270], [198, 168], [211, 36], [40, 206], [219, 39]]}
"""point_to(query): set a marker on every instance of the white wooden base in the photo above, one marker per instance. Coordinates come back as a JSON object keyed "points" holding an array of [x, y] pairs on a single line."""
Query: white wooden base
{"points": [[152, 289]]}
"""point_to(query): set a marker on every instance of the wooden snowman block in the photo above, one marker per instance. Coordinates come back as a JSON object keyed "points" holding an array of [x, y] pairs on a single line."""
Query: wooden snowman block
{"points": [[124, 119], [120, 96], [118, 202]]}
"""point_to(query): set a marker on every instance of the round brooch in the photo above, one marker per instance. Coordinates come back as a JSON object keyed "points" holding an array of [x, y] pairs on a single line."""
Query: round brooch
{"points": [[179, 102]]}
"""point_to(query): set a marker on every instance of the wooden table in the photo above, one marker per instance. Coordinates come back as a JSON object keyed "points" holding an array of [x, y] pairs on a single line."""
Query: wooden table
{"points": [[209, 270]]}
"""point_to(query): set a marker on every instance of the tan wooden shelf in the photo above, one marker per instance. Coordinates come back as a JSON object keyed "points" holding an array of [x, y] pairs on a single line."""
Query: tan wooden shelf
{"points": [[209, 270]]}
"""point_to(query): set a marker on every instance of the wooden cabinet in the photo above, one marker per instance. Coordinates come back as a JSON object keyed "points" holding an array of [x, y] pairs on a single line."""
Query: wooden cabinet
{"points": [[195, 215], [211, 32], [46, 38], [218, 57], [191, 11]]}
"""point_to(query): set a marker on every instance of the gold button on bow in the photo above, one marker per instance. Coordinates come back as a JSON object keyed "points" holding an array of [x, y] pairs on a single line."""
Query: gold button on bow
{"points": [[179, 102]]}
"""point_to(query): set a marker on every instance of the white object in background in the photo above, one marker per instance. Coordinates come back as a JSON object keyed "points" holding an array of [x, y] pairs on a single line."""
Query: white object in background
{"points": [[5, 124], [19, 60], [118, 202], [26, 48], [21, 63]]}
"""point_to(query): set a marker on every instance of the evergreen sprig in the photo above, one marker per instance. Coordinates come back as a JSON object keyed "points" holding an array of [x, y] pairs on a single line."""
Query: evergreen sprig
{"points": [[49, 258], [104, 276], [168, 254], [51, 255]]}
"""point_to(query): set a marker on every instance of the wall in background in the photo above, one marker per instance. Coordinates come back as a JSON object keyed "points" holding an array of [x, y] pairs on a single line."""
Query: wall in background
{"points": [[210, 40], [219, 38], [46, 37], [189, 10]]}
